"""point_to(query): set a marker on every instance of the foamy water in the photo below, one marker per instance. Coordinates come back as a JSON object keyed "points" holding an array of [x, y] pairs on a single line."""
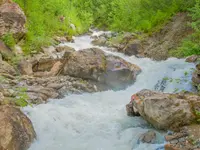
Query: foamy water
{"points": [[98, 121]]}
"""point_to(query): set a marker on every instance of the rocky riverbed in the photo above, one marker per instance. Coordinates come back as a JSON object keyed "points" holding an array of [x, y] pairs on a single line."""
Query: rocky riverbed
{"points": [[74, 93]]}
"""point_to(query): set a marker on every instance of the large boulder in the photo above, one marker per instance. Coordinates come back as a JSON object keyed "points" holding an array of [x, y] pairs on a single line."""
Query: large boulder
{"points": [[12, 19], [16, 130], [167, 111], [92, 64]]}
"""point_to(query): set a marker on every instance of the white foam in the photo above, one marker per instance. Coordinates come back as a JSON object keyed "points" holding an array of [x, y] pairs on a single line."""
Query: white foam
{"points": [[98, 121]]}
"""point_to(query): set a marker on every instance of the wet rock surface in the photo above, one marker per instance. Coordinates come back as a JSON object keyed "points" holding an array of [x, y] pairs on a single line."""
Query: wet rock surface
{"points": [[196, 77], [93, 64], [193, 58], [148, 137], [166, 111]]}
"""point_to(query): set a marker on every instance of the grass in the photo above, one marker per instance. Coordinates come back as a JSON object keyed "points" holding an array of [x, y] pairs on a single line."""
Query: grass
{"points": [[47, 18]]}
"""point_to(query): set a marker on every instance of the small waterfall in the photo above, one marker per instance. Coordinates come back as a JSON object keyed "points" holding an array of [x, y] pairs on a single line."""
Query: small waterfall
{"points": [[98, 121]]}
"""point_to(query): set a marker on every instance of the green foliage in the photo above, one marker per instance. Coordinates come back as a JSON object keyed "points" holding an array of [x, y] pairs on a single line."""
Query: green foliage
{"points": [[198, 116], [8, 40], [191, 44], [195, 14], [22, 97], [47, 18], [138, 15]]}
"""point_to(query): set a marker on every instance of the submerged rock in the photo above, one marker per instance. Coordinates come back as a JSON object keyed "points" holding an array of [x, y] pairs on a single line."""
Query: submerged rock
{"points": [[92, 64], [148, 137], [167, 111], [16, 130]]}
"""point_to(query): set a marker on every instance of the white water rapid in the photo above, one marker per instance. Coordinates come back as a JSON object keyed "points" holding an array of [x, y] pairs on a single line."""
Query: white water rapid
{"points": [[98, 121]]}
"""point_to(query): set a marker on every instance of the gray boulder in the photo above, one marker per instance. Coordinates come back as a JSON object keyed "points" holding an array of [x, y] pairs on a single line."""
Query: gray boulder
{"points": [[92, 64]]}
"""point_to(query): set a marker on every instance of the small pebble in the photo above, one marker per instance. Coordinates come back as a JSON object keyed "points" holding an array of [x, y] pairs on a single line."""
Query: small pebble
{"points": [[174, 142]]}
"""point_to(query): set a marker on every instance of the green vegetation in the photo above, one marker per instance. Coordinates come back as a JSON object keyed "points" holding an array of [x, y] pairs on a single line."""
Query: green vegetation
{"points": [[22, 97], [16, 95], [191, 44], [9, 40], [47, 18]]}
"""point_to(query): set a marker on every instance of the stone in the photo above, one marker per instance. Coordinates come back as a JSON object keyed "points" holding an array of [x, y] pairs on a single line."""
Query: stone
{"points": [[64, 51], [16, 130], [53, 72], [171, 147], [166, 111], [86, 64], [175, 136], [56, 68], [61, 39], [131, 110], [196, 78], [18, 50], [12, 20], [119, 73], [192, 59], [101, 41], [148, 137], [72, 26], [134, 48], [7, 68], [92, 64], [1, 97], [50, 51], [65, 48], [6, 52], [41, 93], [44, 64], [198, 66], [25, 67]]}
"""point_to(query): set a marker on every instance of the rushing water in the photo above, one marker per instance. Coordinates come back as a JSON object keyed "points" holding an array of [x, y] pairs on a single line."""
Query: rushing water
{"points": [[98, 121]]}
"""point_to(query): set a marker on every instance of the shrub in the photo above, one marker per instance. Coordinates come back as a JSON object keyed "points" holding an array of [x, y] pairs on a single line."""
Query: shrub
{"points": [[8, 40]]}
